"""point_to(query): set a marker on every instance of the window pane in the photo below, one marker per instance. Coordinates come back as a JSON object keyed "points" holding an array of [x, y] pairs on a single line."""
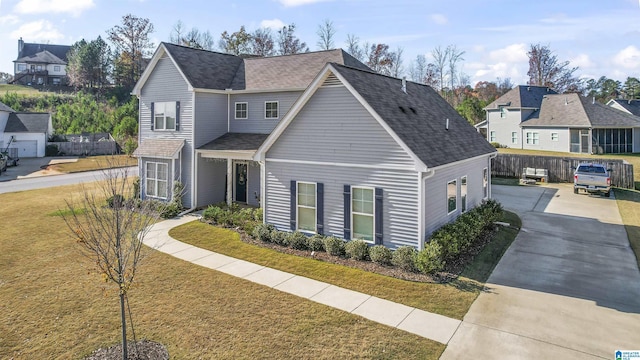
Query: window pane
{"points": [[162, 171], [307, 194], [162, 189], [452, 197], [362, 200], [159, 123], [463, 193], [151, 187], [362, 227], [306, 219], [170, 123], [151, 170]]}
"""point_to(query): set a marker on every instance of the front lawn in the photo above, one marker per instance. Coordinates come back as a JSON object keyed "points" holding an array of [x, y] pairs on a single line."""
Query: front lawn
{"points": [[90, 163], [53, 304]]}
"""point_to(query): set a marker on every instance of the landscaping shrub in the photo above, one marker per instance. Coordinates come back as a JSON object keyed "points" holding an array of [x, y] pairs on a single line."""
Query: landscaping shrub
{"points": [[232, 216], [279, 237], [297, 240], [380, 254], [262, 232], [357, 249], [170, 210], [405, 258], [115, 201], [316, 242], [334, 246], [51, 150], [429, 259]]}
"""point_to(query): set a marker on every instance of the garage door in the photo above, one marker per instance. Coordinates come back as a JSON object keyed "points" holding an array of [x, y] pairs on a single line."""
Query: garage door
{"points": [[26, 148]]}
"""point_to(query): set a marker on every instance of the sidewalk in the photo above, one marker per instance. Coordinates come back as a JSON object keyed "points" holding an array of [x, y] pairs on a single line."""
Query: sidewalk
{"points": [[422, 323]]}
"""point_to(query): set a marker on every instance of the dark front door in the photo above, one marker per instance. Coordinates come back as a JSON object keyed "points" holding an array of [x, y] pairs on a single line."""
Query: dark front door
{"points": [[241, 182]]}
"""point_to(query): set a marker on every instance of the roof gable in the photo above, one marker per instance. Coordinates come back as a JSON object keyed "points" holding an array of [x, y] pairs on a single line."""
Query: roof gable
{"points": [[44, 57], [28, 122], [5, 108], [631, 106], [31, 49], [522, 96]]}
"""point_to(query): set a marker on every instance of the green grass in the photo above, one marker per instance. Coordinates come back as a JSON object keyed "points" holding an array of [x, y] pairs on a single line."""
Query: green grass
{"points": [[67, 212], [95, 163], [20, 89], [629, 207], [452, 299], [505, 181], [54, 305]]}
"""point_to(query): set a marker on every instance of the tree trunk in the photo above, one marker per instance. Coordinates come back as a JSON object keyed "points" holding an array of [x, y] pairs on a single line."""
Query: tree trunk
{"points": [[123, 317]]}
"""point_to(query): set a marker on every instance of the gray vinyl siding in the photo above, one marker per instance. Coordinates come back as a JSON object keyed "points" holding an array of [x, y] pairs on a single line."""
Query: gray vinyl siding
{"points": [[400, 197], [211, 181], [435, 192], [503, 127], [166, 84], [255, 122], [334, 127], [172, 172], [545, 142], [211, 115], [636, 140], [253, 190]]}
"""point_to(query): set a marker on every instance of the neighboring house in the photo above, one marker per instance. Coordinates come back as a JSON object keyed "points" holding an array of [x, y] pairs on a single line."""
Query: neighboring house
{"points": [[40, 64], [537, 118], [27, 132], [323, 144], [629, 106]]}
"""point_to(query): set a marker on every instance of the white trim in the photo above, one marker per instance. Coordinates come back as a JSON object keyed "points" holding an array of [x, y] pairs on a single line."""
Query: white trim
{"points": [[447, 196], [161, 50], [326, 163], [485, 194], [156, 179], [421, 210], [263, 188], [193, 148], [464, 161], [277, 109], [226, 154], [464, 203], [315, 207], [235, 110], [249, 91], [373, 214], [164, 110], [229, 194]]}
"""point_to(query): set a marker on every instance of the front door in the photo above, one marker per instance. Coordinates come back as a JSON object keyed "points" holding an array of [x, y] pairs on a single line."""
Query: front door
{"points": [[241, 182]]}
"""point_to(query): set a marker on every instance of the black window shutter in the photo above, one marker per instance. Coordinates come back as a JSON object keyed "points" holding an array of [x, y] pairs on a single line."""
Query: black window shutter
{"points": [[320, 208], [177, 115], [378, 216], [292, 211], [153, 117], [347, 212]]}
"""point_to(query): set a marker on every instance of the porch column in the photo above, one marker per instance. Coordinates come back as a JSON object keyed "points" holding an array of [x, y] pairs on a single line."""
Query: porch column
{"points": [[229, 181]]}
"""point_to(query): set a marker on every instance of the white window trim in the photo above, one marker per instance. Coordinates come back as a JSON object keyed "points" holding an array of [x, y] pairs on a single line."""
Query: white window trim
{"points": [[315, 208], [156, 180], [56, 68], [235, 108], [485, 183], [503, 112], [464, 200], [534, 136], [373, 215], [492, 136], [277, 109], [164, 119], [514, 137], [556, 137], [447, 196]]}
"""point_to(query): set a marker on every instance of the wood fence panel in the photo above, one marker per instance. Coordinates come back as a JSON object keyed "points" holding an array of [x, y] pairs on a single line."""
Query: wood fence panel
{"points": [[86, 148], [560, 168]]}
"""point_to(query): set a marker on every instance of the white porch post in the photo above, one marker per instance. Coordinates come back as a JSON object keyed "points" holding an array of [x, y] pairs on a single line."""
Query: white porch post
{"points": [[229, 181]]}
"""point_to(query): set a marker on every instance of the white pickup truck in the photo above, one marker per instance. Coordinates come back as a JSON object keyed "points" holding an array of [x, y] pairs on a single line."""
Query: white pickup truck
{"points": [[592, 178]]}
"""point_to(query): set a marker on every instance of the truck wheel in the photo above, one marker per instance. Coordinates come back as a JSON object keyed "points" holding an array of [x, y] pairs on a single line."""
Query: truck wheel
{"points": [[607, 194], [575, 190]]}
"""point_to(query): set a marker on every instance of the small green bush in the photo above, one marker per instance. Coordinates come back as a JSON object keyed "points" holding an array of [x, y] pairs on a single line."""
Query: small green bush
{"points": [[380, 254], [405, 258], [357, 249], [316, 242], [497, 145], [279, 237], [297, 240], [115, 201], [170, 210], [263, 232], [213, 213], [334, 246], [51, 150], [429, 259]]}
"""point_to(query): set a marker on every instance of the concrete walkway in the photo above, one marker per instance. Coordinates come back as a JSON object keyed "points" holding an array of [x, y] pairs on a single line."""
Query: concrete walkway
{"points": [[422, 323]]}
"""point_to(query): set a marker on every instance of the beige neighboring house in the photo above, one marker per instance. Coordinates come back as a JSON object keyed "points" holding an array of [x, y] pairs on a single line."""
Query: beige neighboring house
{"points": [[40, 64], [26, 132]]}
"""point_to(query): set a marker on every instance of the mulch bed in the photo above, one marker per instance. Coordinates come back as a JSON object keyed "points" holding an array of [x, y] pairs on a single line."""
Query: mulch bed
{"points": [[142, 350]]}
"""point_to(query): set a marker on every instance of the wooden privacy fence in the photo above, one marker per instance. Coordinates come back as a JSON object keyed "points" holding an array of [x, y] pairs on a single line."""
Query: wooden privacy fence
{"points": [[560, 168], [108, 147]]}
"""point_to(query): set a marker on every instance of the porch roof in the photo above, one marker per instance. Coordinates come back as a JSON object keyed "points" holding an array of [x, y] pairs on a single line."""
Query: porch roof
{"points": [[236, 142], [159, 148]]}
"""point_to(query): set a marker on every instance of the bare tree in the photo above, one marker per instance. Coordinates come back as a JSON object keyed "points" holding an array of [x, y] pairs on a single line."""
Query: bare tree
{"points": [[546, 70], [454, 56], [326, 32], [177, 32], [397, 69], [354, 48], [262, 43], [440, 59], [289, 43], [110, 231], [418, 69], [193, 38], [380, 59], [132, 42]]}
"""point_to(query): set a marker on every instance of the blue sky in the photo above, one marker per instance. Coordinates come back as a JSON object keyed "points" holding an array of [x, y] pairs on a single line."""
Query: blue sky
{"points": [[601, 37]]}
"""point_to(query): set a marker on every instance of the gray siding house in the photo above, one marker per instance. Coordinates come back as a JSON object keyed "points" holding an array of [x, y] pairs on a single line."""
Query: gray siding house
{"points": [[538, 118], [323, 144]]}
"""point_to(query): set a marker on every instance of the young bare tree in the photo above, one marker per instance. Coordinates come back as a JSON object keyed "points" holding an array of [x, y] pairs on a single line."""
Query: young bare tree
{"points": [[262, 43], [326, 32], [354, 48], [110, 230], [397, 68], [454, 58], [440, 59], [546, 70]]}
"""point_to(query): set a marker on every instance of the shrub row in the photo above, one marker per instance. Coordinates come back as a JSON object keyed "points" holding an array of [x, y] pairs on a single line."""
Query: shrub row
{"points": [[233, 216]]}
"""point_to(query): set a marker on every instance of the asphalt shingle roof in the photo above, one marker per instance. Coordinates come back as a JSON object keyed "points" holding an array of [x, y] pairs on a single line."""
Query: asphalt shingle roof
{"points": [[59, 51], [419, 118], [522, 96], [28, 122], [236, 142], [573, 110], [44, 57], [632, 106], [5, 108], [162, 148]]}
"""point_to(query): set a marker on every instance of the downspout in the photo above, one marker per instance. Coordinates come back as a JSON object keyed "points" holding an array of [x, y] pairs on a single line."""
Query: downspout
{"points": [[425, 175], [492, 156], [228, 110]]}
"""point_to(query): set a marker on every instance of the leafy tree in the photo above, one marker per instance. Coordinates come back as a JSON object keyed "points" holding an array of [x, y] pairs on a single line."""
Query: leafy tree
{"points": [[5, 77], [631, 88], [326, 31], [132, 42], [262, 43], [236, 43], [380, 59], [89, 63], [289, 43], [603, 89], [546, 70], [471, 109]]}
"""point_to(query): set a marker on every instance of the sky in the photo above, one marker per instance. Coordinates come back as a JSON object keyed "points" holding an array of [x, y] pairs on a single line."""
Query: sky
{"points": [[601, 37]]}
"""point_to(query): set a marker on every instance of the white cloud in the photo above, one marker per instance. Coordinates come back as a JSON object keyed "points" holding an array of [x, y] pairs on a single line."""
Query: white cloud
{"points": [[628, 58], [293, 3], [508, 62], [41, 30], [9, 19], [582, 61], [275, 24], [511, 54], [73, 7], [439, 19]]}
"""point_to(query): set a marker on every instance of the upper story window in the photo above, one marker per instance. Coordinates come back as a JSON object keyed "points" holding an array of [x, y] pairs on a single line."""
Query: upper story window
{"points": [[503, 112], [271, 110], [22, 67], [164, 115], [56, 68], [242, 110], [39, 67]]}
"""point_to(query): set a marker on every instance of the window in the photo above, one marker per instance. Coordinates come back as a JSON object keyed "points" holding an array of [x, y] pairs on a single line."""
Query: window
{"points": [[503, 112], [492, 136], [165, 115], [452, 196], [306, 206], [554, 136], [514, 137], [56, 68], [485, 183], [463, 193], [39, 67], [56, 81], [156, 180], [362, 213], [241, 110], [533, 138], [271, 110], [22, 67]]}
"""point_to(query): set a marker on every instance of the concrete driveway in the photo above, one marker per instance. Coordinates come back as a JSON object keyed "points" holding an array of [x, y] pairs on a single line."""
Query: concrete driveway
{"points": [[568, 287], [33, 167]]}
